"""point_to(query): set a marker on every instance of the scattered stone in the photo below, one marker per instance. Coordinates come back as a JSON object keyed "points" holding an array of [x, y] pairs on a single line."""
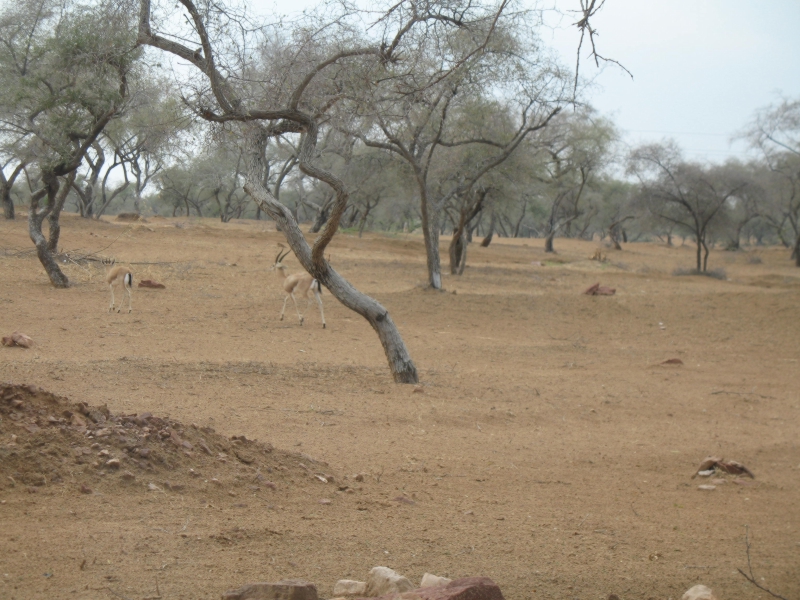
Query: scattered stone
{"points": [[732, 467], [599, 290], [468, 588], [383, 580], [347, 587], [429, 580], [113, 463], [404, 500], [153, 487], [128, 476], [282, 590], [706, 488], [246, 458], [18, 339], [699, 592], [359, 476], [85, 489], [707, 473], [149, 283], [325, 501], [673, 361]]}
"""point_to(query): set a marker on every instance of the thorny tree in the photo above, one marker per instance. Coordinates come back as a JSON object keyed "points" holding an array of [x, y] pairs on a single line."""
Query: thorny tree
{"points": [[300, 78], [575, 148], [425, 116], [63, 79], [687, 194], [776, 132]]}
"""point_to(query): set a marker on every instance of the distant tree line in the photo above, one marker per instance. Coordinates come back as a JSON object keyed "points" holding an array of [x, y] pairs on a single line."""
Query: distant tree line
{"points": [[477, 133]]}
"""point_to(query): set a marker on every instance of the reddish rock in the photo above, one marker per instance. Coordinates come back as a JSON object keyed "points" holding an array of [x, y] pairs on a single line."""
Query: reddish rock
{"points": [[18, 339], [672, 361], [468, 588], [149, 283], [282, 590], [599, 290]]}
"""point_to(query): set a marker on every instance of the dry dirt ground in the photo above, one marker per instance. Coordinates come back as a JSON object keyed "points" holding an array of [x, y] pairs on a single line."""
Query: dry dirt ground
{"points": [[547, 447]]}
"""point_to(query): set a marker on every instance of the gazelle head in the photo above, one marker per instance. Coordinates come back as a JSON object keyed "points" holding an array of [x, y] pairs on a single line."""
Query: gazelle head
{"points": [[279, 258]]}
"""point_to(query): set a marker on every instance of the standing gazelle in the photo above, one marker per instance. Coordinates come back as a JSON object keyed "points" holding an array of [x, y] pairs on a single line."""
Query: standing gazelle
{"points": [[120, 276], [298, 283]]}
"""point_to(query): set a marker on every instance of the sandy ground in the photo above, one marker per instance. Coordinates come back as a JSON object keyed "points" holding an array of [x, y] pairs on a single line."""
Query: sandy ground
{"points": [[547, 448]]}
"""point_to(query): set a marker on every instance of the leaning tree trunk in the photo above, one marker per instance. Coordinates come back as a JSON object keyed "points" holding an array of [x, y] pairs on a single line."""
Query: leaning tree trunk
{"points": [[46, 248], [797, 250], [487, 239], [313, 259], [8, 203], [548, 242], [699, 255], [430, 234], [458, 250]]}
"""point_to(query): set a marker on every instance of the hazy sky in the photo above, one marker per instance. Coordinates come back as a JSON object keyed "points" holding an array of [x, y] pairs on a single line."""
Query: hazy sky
{"points": [[701, 67]]}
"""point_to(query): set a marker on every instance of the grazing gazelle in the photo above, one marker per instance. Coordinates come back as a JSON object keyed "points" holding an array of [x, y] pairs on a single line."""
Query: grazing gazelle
{"points": [[120, 276], [298, 283]]}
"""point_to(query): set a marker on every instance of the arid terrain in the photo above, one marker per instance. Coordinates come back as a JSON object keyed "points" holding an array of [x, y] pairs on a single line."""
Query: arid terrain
{"points": [[547, 446]]}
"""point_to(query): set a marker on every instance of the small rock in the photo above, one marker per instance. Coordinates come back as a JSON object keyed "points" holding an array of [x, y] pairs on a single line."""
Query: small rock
{"points": [[383, 580], [18, 339], [325, 501], [85, 489], [143, 452], [128, 476], [149, 283], [359, 477], [153, 487], [707, 473], [706, 488], [348, 587], [113, 463], [282, 590], [699, 592], [672, 361], [468, 588], [429, 580]]}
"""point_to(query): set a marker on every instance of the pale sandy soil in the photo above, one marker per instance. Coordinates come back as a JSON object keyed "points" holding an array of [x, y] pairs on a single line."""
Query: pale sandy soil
{"points": [[548, 448]]}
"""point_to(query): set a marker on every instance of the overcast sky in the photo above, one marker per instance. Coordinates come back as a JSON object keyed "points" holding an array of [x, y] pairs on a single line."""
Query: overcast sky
{"points": [[701, 68]]}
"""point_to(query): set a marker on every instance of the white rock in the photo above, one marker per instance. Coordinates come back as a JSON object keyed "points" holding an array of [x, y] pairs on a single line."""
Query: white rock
{"points": [[383, 580], [699, 592], [348, 587], [707, 488], [429, 580]]}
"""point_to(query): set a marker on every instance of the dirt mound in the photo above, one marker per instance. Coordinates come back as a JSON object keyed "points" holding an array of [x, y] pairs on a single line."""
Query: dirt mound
{"points": [[51, 440]]}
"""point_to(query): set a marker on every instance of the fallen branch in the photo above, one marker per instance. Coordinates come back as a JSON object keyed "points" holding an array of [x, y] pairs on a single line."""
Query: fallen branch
{"points": [[743, 394], [752, 578]]}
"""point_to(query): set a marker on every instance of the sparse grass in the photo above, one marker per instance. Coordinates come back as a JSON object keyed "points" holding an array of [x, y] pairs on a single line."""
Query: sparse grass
{"points": [[754, 259], [718, 273]]}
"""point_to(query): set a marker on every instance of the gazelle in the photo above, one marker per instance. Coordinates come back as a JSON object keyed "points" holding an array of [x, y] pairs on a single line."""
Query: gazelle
{"points": [[297, 283], [120, 276]]}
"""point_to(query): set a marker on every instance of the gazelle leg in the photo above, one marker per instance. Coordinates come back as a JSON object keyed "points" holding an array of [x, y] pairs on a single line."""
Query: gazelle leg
{"points": [[285, 300], [299, 316], [111, 307], [321, 312], [128, 290]]}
